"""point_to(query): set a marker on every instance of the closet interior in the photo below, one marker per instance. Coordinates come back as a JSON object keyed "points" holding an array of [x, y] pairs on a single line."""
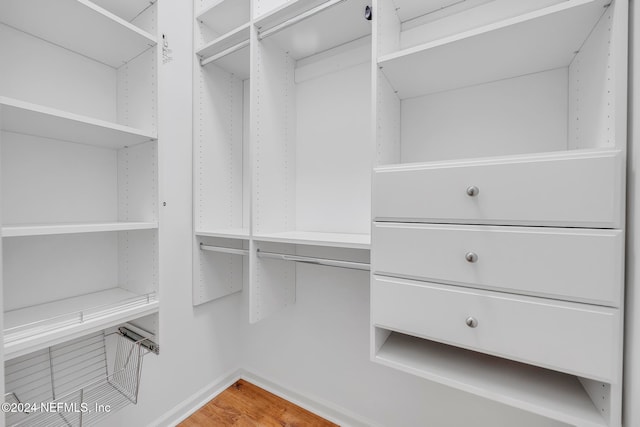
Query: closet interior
{"points": [[470, 155]]}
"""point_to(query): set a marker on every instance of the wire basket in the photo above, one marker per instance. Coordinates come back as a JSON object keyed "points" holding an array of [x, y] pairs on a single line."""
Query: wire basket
{"points": [[72, 384]]}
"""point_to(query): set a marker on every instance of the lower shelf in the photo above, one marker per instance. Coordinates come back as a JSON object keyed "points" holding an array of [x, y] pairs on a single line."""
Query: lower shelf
{"points": [[314, 238], [74, 384], [226, 233], [33, 328], [547, 393]]}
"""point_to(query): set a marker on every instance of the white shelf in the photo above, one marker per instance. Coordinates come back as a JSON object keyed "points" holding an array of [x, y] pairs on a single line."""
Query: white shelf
{"points": [[413, 9], [31, 119], [337, 23], [226, 233], [225, 15], [36, 327], [80, 26], [312, 238], [542, 40], [125, 9], [547, 393], [230, 52], [90, 227]]}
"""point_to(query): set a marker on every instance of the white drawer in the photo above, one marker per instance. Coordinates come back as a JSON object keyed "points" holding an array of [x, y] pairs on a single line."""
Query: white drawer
{"points": [[584, 265], [582, 188], [569, 337]]}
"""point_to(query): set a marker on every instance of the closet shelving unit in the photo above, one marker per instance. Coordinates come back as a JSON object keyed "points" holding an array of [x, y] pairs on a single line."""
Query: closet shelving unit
{"points": [[268, 182], [79, 171], [221, 111], [502, 122], [311, 100]]}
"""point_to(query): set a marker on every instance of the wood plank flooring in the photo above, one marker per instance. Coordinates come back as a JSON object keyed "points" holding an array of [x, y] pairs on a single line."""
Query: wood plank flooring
{"points": [[246, 405]]}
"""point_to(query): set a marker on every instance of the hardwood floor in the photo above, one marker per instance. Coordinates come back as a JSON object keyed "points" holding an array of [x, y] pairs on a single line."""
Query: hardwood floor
{"points": [[246, 405]]}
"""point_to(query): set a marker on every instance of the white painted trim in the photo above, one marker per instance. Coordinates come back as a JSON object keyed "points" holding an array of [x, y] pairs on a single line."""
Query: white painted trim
{"points": [[184, 409], [318, 406]]}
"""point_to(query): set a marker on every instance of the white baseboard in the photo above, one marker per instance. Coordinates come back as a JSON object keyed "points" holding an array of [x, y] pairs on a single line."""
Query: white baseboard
{"points": [[324, 409], [194, 402]]}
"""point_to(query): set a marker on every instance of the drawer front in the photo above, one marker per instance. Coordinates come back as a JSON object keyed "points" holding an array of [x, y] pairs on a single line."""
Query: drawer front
{"points": [[564, 189], [584, 265], [569, 337]]}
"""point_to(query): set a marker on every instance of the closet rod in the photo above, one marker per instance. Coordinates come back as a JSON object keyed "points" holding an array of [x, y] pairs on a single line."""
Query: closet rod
{"points": [[228, 51], [318, 261], [292, 21], [223, 249]]}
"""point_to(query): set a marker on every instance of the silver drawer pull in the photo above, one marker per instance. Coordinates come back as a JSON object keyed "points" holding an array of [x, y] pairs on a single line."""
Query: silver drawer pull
{"points": [[471, 257], [471, 322], [472, 191]]}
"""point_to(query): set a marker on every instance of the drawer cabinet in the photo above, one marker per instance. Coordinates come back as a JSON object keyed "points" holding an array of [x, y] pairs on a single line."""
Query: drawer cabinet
{"points": [[582, 188], [568, 337], [584, 265]]}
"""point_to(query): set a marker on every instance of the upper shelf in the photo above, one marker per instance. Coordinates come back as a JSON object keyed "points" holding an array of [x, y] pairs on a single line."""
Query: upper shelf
{"points": [[306, 27], [125, 9], [31, 119], [313, 238], [225, 15], [413, 9], [542, 40], [230, 51], [80, 26]]}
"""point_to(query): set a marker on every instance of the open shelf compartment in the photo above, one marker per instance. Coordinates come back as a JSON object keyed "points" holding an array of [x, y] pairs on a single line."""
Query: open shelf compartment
{"points": [[80, 26], [126, 9], [225, 15], [548, 393], [229, 52], [33, 328], [307, 27], [536, 41], [82, 380]]}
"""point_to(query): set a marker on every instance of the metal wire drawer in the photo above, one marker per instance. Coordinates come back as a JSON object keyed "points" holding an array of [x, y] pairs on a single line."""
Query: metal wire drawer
{"points": [[76, 383]]}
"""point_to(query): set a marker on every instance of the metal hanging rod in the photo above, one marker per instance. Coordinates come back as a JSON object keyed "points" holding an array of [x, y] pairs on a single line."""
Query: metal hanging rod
{"points": [[318, 261], [228, 51], [223, 249], [298, 18]]}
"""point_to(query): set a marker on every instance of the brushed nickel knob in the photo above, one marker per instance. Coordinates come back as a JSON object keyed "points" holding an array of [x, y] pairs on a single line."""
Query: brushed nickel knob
{"points": [[471, 322], [472, 191], [471, 257]]}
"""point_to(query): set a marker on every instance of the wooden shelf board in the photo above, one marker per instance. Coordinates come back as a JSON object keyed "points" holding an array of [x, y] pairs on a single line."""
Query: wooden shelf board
{"points": [[225, 15], [236, 62], [226, 233], [334, 26], [74, 228], [43, 325], [31, 119], [80, 26], [312, 238], [544, 392], [542, 40]]}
